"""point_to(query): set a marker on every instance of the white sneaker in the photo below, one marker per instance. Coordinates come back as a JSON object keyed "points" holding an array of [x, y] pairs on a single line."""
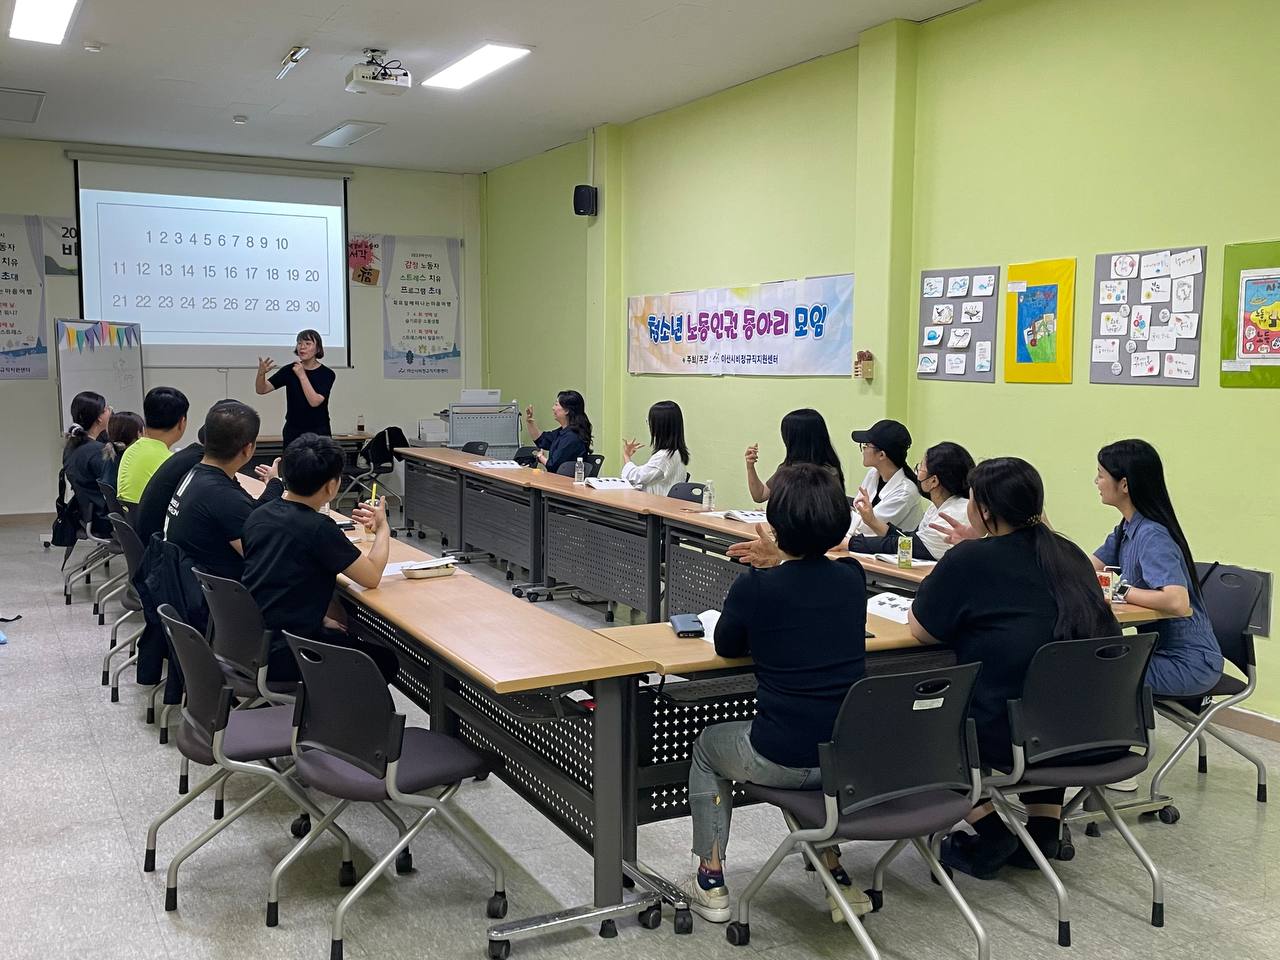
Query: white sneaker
{"points": [[1125, 786], [858, 901], [710, 905]]}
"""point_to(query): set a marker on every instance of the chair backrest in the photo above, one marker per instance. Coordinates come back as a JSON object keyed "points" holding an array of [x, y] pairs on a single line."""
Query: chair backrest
{"points": [[129, 543], [478, 447], [396, 440], [1082, 695], [687, 491], [344, 707], [526, 456], [239, 636], [109, 495], [1230, 594], [593, 461], [376, 451], [200, 672], [901, 734]]}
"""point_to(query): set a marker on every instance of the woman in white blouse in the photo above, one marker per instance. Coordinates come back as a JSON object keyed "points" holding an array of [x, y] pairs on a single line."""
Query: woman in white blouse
{"points": [[888, 493], [670, 457], [943, 476]]}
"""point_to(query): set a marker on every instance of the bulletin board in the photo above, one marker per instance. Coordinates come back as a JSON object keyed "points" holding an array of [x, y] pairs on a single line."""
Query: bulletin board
{"points": [[957, 324], [99, 356], [1251, 315], [1147, 308]]}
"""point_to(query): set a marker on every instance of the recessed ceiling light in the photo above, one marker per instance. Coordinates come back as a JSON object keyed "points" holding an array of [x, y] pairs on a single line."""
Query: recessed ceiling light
{"points": [[239, 119], [290, 60], [490, 57], [44, 21], [347, 133]]}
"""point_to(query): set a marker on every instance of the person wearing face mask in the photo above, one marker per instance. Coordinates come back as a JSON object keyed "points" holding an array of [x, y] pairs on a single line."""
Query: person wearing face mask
{"points": [[888, 493], [943, 477], [570, 439], [307, 383]]}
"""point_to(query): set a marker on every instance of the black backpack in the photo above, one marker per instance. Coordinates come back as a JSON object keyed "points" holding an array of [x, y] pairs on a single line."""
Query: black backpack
{"points": [[66, 520]]}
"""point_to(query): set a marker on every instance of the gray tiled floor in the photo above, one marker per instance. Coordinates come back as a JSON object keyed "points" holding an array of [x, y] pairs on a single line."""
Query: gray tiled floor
{"points": [[81, 778]]}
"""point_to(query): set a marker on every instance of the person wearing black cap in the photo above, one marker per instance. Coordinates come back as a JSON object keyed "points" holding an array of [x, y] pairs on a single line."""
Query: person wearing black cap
{"points": [[889, 492]]}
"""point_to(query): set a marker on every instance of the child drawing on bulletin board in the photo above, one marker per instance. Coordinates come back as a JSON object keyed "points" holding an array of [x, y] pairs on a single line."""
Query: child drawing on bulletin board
{"points": [[1037, 324]]}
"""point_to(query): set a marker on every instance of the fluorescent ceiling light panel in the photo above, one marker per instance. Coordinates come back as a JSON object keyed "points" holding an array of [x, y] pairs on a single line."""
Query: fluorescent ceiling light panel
{"points": [[44, 21], [472, 67], [347, 133]]}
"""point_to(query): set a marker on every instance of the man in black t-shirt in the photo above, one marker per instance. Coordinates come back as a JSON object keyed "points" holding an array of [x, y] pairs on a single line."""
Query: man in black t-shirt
{"points": [[293, 553], [208, 509]]}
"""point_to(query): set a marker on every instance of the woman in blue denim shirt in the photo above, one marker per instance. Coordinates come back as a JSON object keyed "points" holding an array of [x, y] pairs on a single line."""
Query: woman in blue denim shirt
{"points": [[1154, 559]]}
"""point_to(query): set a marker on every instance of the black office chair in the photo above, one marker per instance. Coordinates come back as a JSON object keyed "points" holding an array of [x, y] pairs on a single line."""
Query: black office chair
{"points": [[379, 457], [917, 776], [526, 456], [1082, 699], [692, 492], [591, 463], [350, 743], [132, 605], [1230, 595], [479, 447]]}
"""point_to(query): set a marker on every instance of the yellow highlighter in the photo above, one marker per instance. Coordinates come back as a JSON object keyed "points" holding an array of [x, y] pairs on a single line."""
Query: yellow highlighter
{"points": [[373, 503]]}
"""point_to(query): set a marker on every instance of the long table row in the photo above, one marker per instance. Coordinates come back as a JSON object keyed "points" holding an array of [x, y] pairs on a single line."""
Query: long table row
{"points": [[494, 671], [658, 555]]}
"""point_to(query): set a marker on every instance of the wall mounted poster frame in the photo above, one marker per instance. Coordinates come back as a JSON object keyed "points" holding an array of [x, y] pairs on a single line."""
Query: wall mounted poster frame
{"points": [[1147, 311], [1251, 315], [957, 324], [1039, 307]]}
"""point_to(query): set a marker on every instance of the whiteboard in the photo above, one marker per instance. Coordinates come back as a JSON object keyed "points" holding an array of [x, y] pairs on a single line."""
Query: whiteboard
{"points": [[103, 357]]}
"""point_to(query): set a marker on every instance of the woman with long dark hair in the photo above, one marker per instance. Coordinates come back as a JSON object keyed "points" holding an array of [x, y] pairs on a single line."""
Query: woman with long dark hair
{"points": [[570, 439], [996, 601], [1150, 549], [666, 467], [943, 477], [889, 492], [806, 440], [82, 458], [125, 427]]}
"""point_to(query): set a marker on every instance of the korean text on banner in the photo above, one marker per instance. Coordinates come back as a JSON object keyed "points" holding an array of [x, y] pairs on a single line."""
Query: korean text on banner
{"points": [[786, 328], [421, 308], [24, 354]]}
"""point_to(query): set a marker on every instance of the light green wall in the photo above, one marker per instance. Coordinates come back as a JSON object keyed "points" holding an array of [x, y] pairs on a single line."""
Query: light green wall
{"points": [[1021, 125], [1030, 145], [750, 185], [535, 282]]}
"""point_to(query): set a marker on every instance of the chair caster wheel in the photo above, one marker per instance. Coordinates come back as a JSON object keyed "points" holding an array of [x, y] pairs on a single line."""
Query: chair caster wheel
{"points": [[499, 949], [608, 929], [1067, 852], [877, 899], [404, 862], [517, 592], [301, 826], [738, 934], [1093, 830], [531, 597], [684, 921], [1169, 814], [422, 535], [608, 616], [496, 908], [511, 574], [651, 918], [395, 534], [347, 874]]}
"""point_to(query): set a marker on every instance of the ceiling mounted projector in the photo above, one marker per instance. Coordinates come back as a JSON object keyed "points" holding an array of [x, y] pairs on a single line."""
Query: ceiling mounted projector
{"points": [[379, 75]]}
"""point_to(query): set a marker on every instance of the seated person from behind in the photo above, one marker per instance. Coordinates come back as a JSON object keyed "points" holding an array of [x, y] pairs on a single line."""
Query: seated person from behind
{"points": [[125, 428], [165, 411], [208, 510], [293, 553], [804, 623], [943, 476], [82, 460]]}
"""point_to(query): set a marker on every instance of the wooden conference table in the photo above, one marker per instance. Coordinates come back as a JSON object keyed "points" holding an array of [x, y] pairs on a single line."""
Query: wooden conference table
{"points": [[493, 670], [658, 555]]}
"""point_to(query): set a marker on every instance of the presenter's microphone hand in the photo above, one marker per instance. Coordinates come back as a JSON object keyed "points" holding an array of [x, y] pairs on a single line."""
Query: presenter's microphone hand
{"points": [[265, 365]]}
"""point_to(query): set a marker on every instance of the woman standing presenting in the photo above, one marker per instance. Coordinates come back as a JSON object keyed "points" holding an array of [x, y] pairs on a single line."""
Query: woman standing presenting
{"points": [[307, 385]]}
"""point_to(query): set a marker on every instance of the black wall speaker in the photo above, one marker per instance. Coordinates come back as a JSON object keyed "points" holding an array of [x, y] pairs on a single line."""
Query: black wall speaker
{"points": [[585, 198]]}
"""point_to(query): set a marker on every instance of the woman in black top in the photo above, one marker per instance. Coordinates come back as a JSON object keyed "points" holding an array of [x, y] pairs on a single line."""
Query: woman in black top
{"points": [[307, 386], [568, 441], [996, 601], [806, 440], [82, 458], [804, 622], [124, 428]]}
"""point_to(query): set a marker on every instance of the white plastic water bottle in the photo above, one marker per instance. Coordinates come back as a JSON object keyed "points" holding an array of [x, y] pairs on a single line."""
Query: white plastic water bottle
{"points": [[709, 496], [579, 471]]}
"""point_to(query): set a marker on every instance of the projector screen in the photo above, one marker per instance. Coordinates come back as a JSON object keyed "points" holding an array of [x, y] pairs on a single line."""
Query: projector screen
{"points": [[219, 267]]}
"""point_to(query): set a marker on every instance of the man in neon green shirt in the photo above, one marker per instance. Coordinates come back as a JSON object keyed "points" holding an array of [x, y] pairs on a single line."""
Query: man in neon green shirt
{"points": [[165, 412]]}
